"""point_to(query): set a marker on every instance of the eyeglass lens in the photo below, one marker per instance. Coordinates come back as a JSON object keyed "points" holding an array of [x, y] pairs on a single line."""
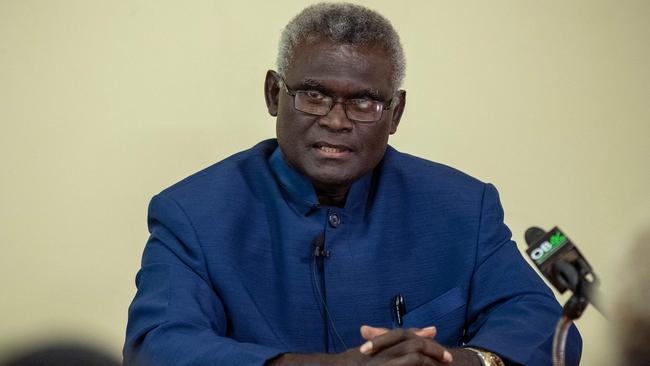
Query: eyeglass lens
{"points": [[361, 110]]}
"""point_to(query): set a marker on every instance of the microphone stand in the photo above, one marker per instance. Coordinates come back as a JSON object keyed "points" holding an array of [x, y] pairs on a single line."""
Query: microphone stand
{"points": [[583, 293], [572, 311]]}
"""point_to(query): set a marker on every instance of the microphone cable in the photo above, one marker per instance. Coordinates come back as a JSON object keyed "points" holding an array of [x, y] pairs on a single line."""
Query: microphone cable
{"points": [[320, 252]]}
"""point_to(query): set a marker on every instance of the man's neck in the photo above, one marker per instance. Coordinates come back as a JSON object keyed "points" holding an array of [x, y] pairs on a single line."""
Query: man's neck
{"points": [[332, 196]]}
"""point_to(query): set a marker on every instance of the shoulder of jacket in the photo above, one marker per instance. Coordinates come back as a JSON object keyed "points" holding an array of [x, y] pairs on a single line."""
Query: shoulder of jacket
{"points": [[227, 173]]}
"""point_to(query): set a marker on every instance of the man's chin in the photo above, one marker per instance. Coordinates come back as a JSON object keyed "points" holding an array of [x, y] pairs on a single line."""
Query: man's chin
{"points": [[331, 180]]}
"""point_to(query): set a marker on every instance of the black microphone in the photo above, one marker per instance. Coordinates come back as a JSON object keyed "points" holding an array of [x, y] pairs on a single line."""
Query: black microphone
{"points": [[319, 247], [562, 264]]}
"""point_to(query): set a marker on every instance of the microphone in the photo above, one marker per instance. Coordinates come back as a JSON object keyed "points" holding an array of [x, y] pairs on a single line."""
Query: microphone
{"points": [[319, 247], [562, 264]]}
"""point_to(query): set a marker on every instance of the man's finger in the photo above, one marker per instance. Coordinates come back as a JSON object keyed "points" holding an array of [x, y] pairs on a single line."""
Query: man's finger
{"points": [[411, 359], [386, 340], [428, 332], [419, 348], [368, 332], [425, 347], [399, 342]]}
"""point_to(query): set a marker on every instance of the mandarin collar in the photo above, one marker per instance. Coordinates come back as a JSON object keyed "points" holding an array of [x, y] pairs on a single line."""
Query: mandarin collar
{"points": [[301, 193]]}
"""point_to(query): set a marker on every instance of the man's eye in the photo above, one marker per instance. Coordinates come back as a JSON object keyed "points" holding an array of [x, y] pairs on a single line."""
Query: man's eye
{"points": [[361, 103], [314, 94]]}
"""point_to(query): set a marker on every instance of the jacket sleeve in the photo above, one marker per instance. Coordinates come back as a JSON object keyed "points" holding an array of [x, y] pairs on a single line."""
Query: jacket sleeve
{"points": [[511, 311], [176, 317]]}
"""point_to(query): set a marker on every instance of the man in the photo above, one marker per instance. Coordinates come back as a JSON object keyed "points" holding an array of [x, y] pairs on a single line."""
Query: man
{"points": [[325, 246]]}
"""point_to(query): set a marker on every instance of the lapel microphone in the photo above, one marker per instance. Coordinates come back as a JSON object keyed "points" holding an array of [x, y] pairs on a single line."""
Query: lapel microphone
{"points": [[319, 247]]}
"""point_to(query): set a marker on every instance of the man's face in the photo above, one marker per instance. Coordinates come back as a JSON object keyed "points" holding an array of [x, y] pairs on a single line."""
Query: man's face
{"points": [[332, 150]]}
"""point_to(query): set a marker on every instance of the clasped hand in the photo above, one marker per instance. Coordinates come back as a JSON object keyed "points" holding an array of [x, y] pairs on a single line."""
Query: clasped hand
{"points": [[384, 347], [397, 347]]}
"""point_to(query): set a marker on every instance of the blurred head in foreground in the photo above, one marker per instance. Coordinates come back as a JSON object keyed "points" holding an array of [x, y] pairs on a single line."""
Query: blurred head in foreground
{"points": [[62, 355], [631, 307]]}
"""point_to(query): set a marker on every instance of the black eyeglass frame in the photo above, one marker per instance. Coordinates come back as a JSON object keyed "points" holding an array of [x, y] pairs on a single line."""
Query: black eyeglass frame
{"points": [[384, 106]]}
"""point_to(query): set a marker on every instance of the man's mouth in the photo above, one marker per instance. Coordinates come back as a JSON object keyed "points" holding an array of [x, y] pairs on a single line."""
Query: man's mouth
{"points": [[331, 149]]}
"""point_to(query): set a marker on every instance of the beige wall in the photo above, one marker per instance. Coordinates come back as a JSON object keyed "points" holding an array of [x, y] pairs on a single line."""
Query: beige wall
{"points": [[104, 103]]}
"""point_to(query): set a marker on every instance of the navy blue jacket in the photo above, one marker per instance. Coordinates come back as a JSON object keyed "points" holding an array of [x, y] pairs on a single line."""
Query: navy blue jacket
{"points": [[229, 277]]}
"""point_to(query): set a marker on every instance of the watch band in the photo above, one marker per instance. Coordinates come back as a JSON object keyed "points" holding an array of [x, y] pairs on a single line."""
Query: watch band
{"points": [[487, 358]]}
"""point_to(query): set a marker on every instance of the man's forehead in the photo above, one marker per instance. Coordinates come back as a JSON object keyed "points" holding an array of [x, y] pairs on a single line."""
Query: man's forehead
{"points": [[367, 50], [326, 62]]}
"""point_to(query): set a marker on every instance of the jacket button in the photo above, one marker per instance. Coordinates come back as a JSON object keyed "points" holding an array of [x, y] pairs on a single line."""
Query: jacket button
{"points": [[334, 220]]}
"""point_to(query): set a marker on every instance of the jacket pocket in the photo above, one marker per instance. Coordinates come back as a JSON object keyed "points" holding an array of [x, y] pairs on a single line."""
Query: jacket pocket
{"points": [[430, 312]]}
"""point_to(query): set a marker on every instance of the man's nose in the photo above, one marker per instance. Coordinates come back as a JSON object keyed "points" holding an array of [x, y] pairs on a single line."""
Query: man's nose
{"points": [[336, 119]]}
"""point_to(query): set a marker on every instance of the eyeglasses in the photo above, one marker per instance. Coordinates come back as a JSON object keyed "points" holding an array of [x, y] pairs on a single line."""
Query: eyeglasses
{"points": [[319, 104]]}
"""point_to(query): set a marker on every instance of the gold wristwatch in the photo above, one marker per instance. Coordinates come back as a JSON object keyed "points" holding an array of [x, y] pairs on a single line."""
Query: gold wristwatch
{"points": [[487, 358]]}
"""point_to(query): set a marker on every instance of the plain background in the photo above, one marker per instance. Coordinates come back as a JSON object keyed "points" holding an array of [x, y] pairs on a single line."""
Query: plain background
{"points": [[105, 103]]}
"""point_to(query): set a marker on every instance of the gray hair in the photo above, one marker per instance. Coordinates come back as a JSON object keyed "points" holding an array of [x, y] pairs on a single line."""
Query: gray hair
{"points": [[342, 23]]}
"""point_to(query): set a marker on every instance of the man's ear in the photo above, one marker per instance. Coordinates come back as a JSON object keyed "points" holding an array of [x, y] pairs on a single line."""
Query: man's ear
{"points": [[271, 92], [397, 111]]}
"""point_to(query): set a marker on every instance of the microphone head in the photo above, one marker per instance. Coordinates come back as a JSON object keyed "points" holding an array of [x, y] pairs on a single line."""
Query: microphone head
{"points": [[319, 247], [533, 235], [549, 249], [558, 259], [319, 241]]}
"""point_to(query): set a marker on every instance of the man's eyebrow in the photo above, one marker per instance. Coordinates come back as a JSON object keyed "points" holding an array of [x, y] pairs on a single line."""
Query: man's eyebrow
{"points": [[312, 82], [317, 85], [314, 85], [372, 93]]}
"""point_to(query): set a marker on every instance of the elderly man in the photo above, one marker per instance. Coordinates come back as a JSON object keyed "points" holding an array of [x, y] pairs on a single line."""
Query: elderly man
{"points": [[326, 246]]}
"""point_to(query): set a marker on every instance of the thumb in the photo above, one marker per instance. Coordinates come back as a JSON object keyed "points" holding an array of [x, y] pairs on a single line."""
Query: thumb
{"points": [[368, 332], [428, 332]]}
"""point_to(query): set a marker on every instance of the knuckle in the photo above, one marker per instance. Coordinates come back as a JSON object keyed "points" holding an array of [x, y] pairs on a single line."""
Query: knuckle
{"points": [[415, 345], [420, 343], [409, 333], [416, 359]]}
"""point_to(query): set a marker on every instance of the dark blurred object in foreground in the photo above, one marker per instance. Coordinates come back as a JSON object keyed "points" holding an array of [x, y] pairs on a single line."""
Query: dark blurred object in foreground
{"points": [[62, 355], [633, 320]]}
